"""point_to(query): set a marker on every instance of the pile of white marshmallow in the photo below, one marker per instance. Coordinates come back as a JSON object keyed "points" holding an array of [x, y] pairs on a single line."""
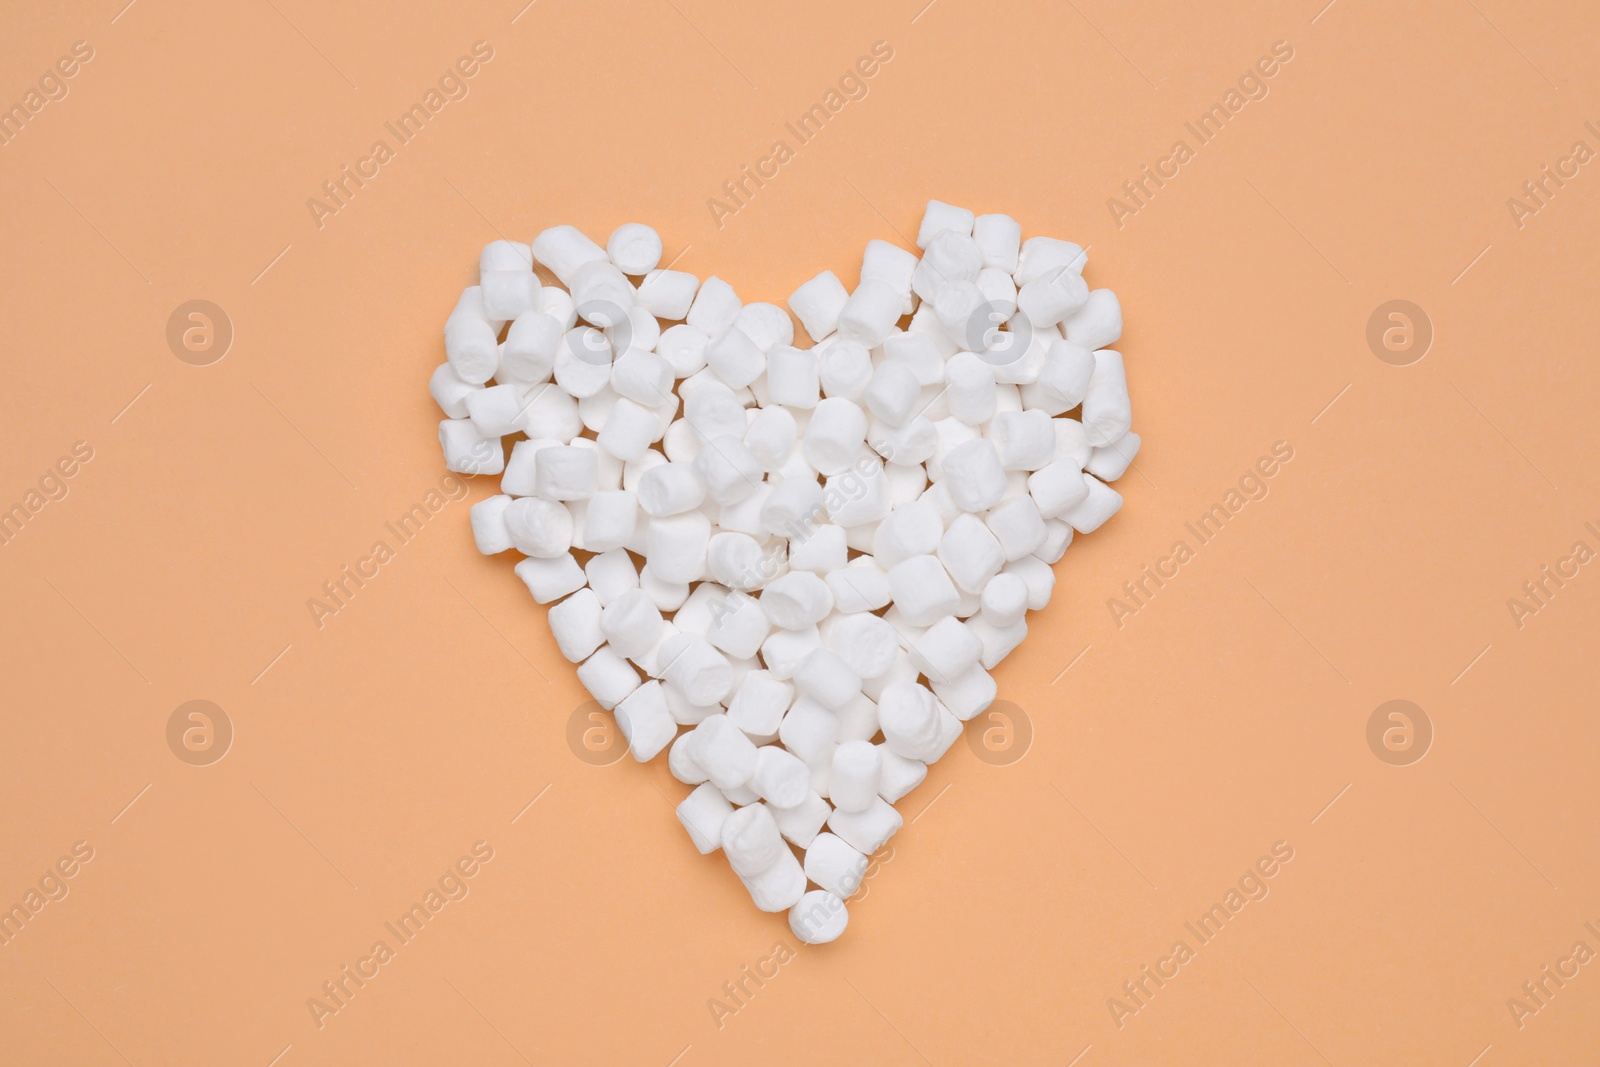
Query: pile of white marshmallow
{"points": [[791, 569]]}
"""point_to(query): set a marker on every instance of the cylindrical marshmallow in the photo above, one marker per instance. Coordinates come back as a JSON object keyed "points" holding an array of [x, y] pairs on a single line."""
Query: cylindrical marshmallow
{"points": [[854, 782]]}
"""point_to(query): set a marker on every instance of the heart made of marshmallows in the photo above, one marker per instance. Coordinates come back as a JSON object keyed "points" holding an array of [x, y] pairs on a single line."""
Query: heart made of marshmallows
{"points": [[789, 568]]}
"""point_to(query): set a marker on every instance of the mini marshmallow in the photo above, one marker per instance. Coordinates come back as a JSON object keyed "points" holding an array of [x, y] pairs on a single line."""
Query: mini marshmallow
{"points": [[736, 358], [751, 841], [1024, 440], [1004, 600], [898, 775], [1110, 462], [680, 761], [859, 586], [965, 695], [837, 430], [671, 489], [892, 266], [779, 887], [998, 642], [632, 624], [583, 362], [611, 574], [865, 642], [950, 257], [858, 719], [853, 786], [550, 579], [1099, 504], [1098, 323], [999, 237], [635, 248], [702, 813], [643, 720], [780, 778], [912, 529], [1018, 527], [835, 865], [909, 716], [667, 294], [450, 392], [728, 470], [509, 293], [488, 521], [1040, 255], [575, 624], [971, 388], [922, 590], [505, 255], [844, 369], [808, 730], [938, 217], [866, 831], [797, 600], [973, 475], [608, 677], [792, 377], [817, 304], [712, 408], [768, 325], [714, 308], [801, 823], [739, 627], [1052, 296], [1057, 487], [870, 313], [467, 451], [539, 528], [565, 250], [470, 341], [818, 917], [970, 553], [552, 414], [1106, 411], [677, 546], [946, 649], [892, 393], [827, 679], [529, 353], [723, 751], [758, 704], [565, 472], [857, 498]]}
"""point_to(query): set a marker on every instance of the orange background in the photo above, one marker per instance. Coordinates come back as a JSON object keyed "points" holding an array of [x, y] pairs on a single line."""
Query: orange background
{"points": [[1229, 713]]}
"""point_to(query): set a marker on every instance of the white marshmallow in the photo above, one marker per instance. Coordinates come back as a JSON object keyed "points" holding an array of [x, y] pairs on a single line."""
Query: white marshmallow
{"points": [[702, 813], [487, 518], [801, 823], [892, 393], [866, 831], [714, 308], [1098, 323], [836, 432], [1057, 487], [827, 679], [509, 293], [768, 325], [780, 778], [470, 339], [1110, 462], [859, 586], [736, 358], [541, 528], [739, 627], [575, 624], [971, 388], [728, 470], [973, 475], [677, 544], [965, 695], [505, 255], [817, 304], [643, 720], [792, 377], [1052, 296], [635, 248], [870, 313], [1107, 413], [970, 553], [670, 489], [608, 677], [922, 590], [468, 451], [898, 775], [450, 392], [565, 251], [796, 601], [809, 730], [857, 766], [940, 216], [892, 266], [844, 369], [1000, 238], [998, 642], [835, 865], [758, 705], [1018, 527], [946, 649], [1043, 254], [1099, 504], [667, 294], [550, 579], [818, 917], [723, 751]]}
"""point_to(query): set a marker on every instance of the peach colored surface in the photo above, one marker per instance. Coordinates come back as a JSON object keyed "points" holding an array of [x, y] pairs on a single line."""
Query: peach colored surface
{"points": [[1174, 746]]}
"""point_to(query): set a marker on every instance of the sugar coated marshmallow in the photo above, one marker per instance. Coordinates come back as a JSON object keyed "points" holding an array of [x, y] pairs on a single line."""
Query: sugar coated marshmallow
{"points": [[787, 544]]}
